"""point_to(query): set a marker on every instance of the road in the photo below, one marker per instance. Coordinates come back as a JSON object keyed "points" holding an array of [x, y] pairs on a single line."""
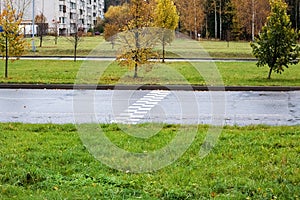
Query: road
{"points": [[176, 107]]}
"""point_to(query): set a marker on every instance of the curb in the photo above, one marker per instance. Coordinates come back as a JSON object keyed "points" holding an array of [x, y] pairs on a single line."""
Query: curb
{"points": [[149, 87]]}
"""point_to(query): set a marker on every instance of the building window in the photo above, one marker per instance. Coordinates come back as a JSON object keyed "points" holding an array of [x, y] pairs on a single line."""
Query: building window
{"points": [[72, 16], [62, 20], [73, 5], [63, 8]]}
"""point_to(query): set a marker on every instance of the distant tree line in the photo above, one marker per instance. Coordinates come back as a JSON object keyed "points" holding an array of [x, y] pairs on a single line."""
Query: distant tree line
{"points": [[224, 19]]}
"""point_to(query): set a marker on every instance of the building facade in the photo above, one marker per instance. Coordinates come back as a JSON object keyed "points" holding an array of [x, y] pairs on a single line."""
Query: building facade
{"points": [[65, 17]]}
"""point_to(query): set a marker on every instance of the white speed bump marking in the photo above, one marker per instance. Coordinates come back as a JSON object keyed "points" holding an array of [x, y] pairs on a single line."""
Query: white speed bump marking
{"points": [[137, 111]]}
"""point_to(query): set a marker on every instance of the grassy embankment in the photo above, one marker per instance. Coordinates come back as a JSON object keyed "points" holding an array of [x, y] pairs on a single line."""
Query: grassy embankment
{"points": [[50, 162]]}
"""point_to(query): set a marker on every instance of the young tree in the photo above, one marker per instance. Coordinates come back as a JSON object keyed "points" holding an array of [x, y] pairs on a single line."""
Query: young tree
{"points": [[12, 42], [76, 34], [42, 26], [166, 18], [54, 30], [136, 43], [277, 44], [75, 39]]}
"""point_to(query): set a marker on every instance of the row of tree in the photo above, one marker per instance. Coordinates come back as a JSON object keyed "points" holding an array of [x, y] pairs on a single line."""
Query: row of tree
{"points": [[224, 19], [275, 44]]}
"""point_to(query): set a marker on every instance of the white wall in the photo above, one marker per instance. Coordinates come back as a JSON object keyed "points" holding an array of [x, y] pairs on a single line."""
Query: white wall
{"points": [[50, 9]]}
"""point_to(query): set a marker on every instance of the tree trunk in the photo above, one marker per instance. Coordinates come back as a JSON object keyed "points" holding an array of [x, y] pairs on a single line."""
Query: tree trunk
{"points": [[75, 47], [216, 23], [135, 71], [253, 21], [195, 21], [206, 28], [137, 45], [220, 20], [164, 51], [75, 53], [6, 56], [270, 72], [41, 40]]}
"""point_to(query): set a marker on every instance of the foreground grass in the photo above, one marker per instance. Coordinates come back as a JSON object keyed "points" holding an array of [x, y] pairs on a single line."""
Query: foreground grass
{"points": [[50, 162], [232, 73]]}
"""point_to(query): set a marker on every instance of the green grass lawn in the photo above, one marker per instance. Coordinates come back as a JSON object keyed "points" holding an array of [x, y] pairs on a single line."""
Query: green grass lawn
{"points": [[64, 46], [183, 47], [232, 73], [50, 162], [209, 48], [222, 49]]}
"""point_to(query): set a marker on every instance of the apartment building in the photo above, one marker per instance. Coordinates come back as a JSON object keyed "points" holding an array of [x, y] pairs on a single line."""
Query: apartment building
{"points": [[67, 16]]}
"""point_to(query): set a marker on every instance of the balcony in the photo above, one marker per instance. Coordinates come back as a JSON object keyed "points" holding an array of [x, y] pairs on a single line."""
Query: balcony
{"points": [[73, 21], [62, 26], [73, 10]]}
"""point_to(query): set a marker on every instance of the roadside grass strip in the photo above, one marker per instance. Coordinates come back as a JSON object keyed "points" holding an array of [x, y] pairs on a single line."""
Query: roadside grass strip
{"points": [[65, 72]]}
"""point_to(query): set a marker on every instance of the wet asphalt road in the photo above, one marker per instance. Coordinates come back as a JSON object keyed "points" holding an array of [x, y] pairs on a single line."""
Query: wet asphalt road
{"points": [[176, 107]]}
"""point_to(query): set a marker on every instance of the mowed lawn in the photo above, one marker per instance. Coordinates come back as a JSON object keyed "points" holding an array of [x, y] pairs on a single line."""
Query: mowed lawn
{"points": [[230, 73], [181, 46], [50, 162]]}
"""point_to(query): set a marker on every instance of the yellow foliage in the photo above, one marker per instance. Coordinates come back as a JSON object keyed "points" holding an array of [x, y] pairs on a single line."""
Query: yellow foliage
{"points": [[11, 32]]}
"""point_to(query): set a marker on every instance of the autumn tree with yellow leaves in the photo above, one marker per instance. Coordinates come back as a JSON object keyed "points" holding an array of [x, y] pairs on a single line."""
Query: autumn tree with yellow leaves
{"points": [[12, 43], [137, 39], [116, 18], [166, 18]]}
